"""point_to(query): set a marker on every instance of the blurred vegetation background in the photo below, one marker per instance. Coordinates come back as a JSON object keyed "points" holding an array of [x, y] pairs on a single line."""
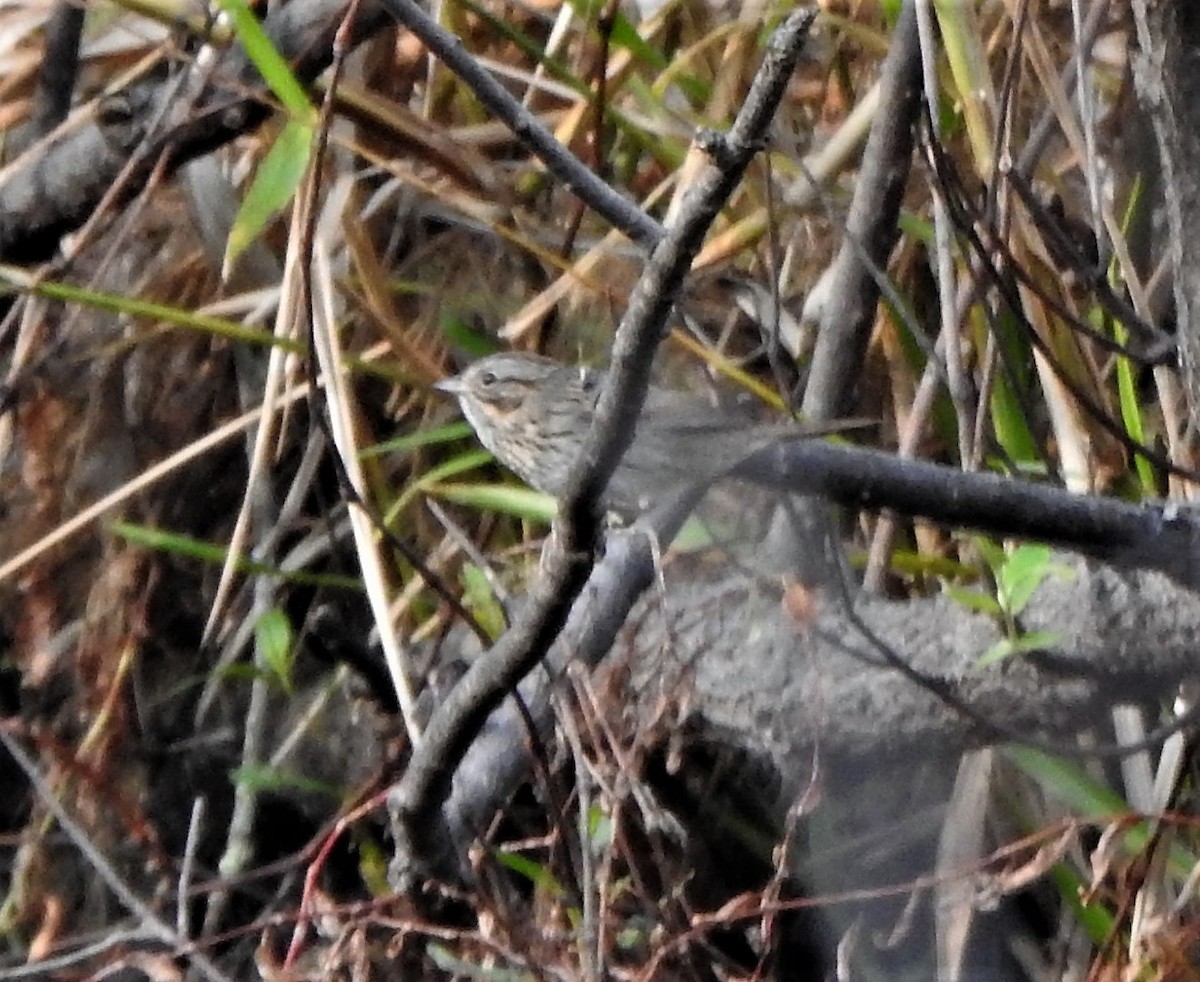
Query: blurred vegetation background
{"points": [[186, 607]]}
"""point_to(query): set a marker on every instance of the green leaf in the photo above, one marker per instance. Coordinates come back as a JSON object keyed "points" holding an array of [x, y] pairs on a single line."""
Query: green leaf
{"points": [[533, 871], [275, 184], [1009, 416], [974, 600], [373, 867], [1127, 371], [911, 563], [479, 599], [262, 778], [132, 307], [997, 652], [600, 828], [1020, 575], [239, 672], [1009, 423], [1097, 920], [625, 35], [631, 936], [269, 62], [161, 540], [1025, 571], [273, 642], [464, 336], [917, 227], [993, 553], [1036, 641], [283, 167], [1068, 782], [422, 438], [506, 498], [467, 461], [1020, 645], [695, 536]]}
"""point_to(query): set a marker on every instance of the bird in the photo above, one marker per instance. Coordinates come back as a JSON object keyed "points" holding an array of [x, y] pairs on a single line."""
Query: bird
{"points": [[533, 413]]}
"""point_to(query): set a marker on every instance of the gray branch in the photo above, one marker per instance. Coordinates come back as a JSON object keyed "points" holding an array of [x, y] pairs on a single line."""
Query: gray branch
{"points": [[871, 229]]}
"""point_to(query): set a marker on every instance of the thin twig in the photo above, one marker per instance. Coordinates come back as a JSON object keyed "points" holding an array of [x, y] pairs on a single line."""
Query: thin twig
{"points": [[609, 203], [154, 924]]}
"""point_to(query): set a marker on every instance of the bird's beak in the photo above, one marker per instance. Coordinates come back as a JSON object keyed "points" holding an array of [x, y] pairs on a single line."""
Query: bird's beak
{"points": [[451, 386]]}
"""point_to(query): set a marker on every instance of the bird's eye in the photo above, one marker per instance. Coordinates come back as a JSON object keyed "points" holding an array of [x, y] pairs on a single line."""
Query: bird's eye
{"points": [[487, 378]]}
